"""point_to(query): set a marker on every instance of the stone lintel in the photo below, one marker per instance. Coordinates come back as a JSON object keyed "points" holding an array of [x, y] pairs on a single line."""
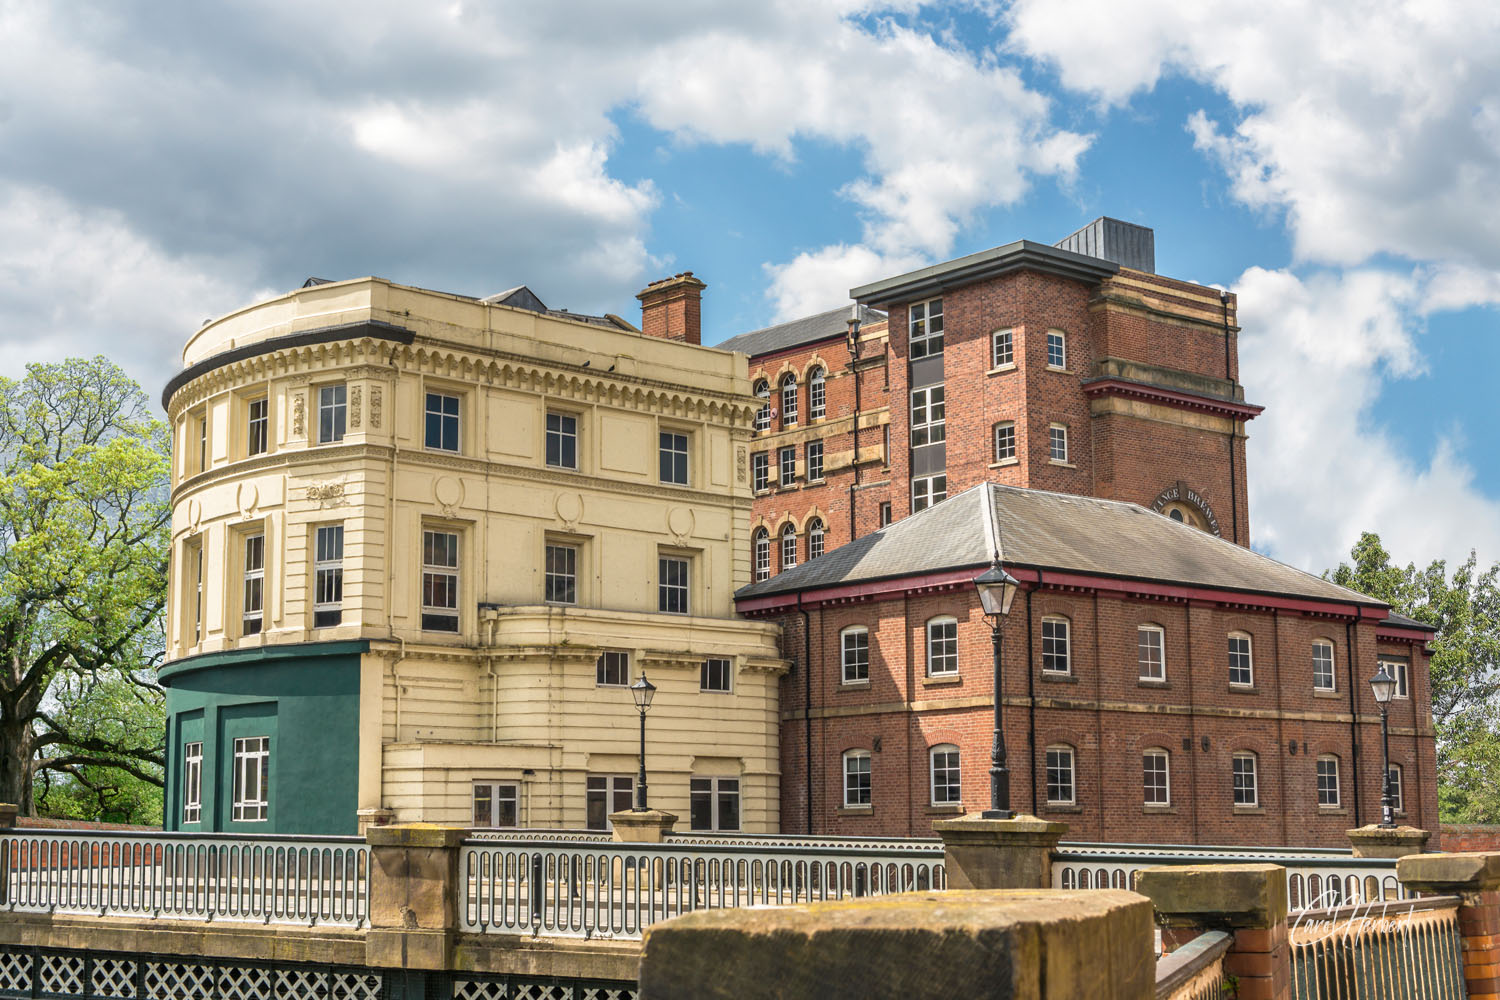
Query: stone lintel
{"points": [[1375, 841], [415, 835], [1216, 896], [1043, 944], [650, 826], [980, 853], [1450, 874], [394, 948]]}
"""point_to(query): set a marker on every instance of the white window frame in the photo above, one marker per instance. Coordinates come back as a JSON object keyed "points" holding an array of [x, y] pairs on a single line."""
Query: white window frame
{"points": [[1059, 339], [1237, 784], [942, 646], [1065, 761], [1249, 659], [192, 782], [564, 435], [717, 789], [815, 539], [443, 399], [1002, 348], [1009, 428], [786, 466], [928, 415], [333, 413], [498, 792], [854, 654], [674, 578], [615, 790], [1398, 791], [1317, 647], [253, 593], [855, 796], [1401, 670], [1057, 645], [788, 542], [787, 387], [252, 767], [950, 791], [193, 570], [1326, 771], [560, 582], [609, 662], [763, 415], [760, 472], [673, 447], [257, 428], [1148, 639], [884, 512], [760, 546], [715, 675], [817, 395], [1057, 443], [432, 572], [1149, 786], [814, 461], [928, 490], [328, 575], [924, 329]]}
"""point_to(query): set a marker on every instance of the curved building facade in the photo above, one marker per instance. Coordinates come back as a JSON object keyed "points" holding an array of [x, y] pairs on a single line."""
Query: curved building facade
{"points": [[421, 545]]}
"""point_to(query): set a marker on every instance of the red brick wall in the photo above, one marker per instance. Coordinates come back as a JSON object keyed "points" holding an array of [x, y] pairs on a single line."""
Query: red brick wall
{"points": [[1457, 837], [1106, 714]]}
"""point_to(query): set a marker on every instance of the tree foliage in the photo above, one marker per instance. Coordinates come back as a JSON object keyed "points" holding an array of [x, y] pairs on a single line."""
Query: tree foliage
{"points": [[84, 539], [1465, 610]]}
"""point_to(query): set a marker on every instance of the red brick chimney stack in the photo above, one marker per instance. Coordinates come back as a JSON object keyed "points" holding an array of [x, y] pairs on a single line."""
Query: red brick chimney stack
{"points": [[670, 308]]}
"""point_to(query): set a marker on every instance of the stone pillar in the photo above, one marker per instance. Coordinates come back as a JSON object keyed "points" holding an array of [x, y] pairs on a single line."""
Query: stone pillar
{"points": [[8, 813], [414, 896], [1475, 879], [1375, 841], [981, 853], [1248, 901], [1037, 945], [373, 817], [650, 826]]}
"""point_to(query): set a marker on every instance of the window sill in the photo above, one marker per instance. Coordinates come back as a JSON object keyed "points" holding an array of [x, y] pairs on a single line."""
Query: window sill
{"points": [[817, 482], [846, 685], [1061, 808], [1243, 689], [942, 679], [1058, 678], [1320, 693], [1063, 465], [714, 691], [1149, 682], [855, 810], [946, 809], [1159, 810], [1249, 810], [1002, 369], [1332, 811], [1004, 462], [786, 487], [1060, 371]]}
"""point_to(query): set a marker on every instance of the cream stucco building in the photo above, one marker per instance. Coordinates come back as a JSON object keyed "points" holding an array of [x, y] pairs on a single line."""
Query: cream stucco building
{"points": [[421, 543]]}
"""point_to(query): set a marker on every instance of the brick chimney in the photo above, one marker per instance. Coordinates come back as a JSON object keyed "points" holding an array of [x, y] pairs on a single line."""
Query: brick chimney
{"points": [[670, 308]]}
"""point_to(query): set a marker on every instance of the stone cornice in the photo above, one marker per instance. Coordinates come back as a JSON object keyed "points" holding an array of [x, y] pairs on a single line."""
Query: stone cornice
{"points": [[1177, 398]]}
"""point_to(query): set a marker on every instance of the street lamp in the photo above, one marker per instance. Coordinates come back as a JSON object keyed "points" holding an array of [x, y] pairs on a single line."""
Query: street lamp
{"points": [[1383, 686], [997, 589], [642, 691]]}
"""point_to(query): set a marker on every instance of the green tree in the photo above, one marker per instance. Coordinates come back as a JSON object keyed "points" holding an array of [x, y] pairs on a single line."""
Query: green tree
{"points": [[1465, 610], [84, 538]]}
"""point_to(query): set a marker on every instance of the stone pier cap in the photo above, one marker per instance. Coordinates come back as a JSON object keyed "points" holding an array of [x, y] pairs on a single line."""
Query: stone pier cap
{"points": [[1216, 896], [1009, 943], [1469, 872]]}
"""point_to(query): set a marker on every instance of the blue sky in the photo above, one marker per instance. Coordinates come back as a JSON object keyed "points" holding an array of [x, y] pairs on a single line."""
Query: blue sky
{"points": [[1335, 164]]}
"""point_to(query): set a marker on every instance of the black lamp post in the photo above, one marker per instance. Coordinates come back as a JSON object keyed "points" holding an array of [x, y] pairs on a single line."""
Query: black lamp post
{"points": [[1383, 686], [997, 589], [642, 691]]}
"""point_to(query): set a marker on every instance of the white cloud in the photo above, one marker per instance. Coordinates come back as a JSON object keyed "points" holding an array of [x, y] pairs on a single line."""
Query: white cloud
{"points": [[818, 280], [1317, 352]]}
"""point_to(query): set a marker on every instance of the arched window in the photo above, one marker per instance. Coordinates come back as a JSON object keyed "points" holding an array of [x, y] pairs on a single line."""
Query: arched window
{"points": [[942, 647], [788, 547], [943, 767], [1057, 349], [1244, 778], [1241, 662], [814, 538], [763, 415], [1055, 645], [788, 400], [1328, 780], [817, 395], [1151, 651], [1322, 664], [856, 778], [1061, 789], [1156, 777], [854, 654], [762, 554]]}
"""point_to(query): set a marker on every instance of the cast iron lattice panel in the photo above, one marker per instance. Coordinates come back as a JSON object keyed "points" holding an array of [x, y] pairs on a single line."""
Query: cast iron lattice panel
{"points": [[176, 980], [301, 984], [356, 986], [61, 975], [113, 977], [15, 972], [522, 988]]}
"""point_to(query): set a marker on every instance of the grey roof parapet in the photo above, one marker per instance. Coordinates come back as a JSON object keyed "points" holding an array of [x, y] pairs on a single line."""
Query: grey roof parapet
{"points": [[1022, 254]]}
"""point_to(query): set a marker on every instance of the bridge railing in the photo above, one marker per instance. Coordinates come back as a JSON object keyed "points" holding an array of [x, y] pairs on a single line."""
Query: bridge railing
{"points": [[571, 887], [1410, 948], [303, 880], [1317, 878]]}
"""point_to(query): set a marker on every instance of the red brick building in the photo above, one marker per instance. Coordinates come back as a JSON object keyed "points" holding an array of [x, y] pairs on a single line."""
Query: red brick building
{"points": [[1160, 684], [1072, 368]]}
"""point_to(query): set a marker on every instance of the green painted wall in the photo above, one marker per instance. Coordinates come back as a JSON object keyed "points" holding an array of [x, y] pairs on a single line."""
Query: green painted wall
{"points": [[305, 698]]}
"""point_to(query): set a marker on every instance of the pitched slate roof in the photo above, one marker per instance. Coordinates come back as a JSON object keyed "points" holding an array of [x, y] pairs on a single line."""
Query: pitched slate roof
{"points": [[833, 323], [1052, 531]]}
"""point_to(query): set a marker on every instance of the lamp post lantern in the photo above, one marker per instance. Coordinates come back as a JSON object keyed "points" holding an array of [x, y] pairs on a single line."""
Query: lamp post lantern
{"points": [[997, 589], [1383, 686], [642, 691]]}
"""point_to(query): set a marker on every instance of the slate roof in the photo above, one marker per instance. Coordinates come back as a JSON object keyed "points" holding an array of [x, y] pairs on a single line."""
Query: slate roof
{"points": [[833, 323], [1052, 531], [1404, 622]]}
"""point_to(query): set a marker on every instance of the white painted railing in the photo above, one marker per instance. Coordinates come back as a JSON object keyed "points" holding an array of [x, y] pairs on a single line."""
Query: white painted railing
{"points": [[571, 888], [266, 879], [1316, 877]]}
